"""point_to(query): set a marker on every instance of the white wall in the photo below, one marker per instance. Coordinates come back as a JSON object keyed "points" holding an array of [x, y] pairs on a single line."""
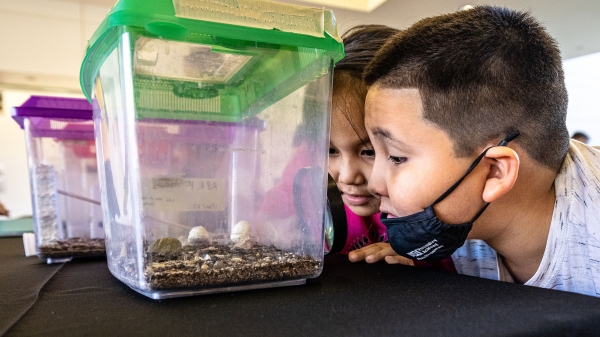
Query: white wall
{"points": [[582, 77], [41, 37]]}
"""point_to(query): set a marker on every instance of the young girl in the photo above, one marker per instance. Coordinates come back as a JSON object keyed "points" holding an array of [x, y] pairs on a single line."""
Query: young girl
{"points": [[351, 154]]}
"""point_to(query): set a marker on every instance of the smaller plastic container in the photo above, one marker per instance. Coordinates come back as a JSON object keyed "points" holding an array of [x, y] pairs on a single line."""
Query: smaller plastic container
{"points": [[63, 172]]}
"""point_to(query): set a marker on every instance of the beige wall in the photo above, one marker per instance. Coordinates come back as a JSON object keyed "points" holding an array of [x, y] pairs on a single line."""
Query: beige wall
{"points": [[43, 42], [41, 37], [14, 190]]}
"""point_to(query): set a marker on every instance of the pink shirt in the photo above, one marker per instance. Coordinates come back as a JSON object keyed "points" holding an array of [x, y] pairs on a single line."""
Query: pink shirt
{"points": [[363, 231]]}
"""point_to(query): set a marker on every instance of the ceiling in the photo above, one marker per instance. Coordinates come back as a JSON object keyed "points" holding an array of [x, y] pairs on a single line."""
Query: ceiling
{"points": [[575, 24]]}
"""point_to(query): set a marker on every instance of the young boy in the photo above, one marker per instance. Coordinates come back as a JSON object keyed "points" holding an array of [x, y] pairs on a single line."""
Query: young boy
{"points": [[480, 95]]}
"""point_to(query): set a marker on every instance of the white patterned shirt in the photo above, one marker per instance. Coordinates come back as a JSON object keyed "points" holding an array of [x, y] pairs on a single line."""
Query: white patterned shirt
{"points": [[571, 260]]}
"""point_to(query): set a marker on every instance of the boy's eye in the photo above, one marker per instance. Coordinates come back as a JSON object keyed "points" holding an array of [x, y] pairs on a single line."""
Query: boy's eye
{"points": [[397, 160], [332, 151], [368, 153]]}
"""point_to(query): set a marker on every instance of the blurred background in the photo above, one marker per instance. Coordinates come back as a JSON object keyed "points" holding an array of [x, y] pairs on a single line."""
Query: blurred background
{"points": [[43, 43]]}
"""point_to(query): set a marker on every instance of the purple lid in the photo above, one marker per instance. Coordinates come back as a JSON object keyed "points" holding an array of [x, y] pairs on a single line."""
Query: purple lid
{"points": [[53, 107]]}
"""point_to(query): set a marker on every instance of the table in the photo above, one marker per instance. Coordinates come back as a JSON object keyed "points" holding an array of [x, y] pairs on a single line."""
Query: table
{"points": [[82, 298]]}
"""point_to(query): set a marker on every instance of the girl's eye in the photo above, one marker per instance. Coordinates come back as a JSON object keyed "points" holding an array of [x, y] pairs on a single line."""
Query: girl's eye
{"points": [[368, 153], [396, 160], [332, 151]]}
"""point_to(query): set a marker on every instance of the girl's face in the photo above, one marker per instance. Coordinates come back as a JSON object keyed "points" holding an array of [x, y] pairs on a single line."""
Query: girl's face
{"points": [[351, 155]]}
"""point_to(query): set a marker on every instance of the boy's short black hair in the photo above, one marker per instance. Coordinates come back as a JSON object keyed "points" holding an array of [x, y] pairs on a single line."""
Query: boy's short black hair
{"points": [[482, 73]]}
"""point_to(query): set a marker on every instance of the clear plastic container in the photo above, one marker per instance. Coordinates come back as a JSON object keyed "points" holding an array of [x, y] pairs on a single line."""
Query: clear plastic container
{"points": [[63, 171], [202, 129]]}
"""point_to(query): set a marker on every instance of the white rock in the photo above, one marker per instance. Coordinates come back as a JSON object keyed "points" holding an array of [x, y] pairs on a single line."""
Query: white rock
{"points": [[244, 243], [198, 234], [241, 230]]}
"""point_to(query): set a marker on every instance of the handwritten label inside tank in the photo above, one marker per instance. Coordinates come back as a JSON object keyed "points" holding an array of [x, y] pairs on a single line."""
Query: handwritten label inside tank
{"points": [[183, 194]]}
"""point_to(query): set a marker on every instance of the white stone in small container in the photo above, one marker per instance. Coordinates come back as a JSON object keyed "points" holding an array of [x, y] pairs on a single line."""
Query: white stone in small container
{"points": [[244, 243], [240, 231], [198, 234]]}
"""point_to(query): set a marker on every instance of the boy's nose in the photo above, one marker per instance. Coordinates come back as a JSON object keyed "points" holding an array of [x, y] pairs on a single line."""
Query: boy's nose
{"points": [[376, 184]]}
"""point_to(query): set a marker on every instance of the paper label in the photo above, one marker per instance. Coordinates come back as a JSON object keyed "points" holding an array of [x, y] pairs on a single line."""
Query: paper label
{"points": [[183, 194]]}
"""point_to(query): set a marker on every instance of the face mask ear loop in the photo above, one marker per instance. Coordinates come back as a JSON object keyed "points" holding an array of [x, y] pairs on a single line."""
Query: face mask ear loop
{"points": [[471, 168], [480, 212], [509, 137]]}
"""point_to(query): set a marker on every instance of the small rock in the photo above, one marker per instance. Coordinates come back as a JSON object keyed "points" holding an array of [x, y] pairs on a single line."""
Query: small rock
{"points": [[123, 250], [219, 265], [236, 259], [204, 266], [240, 231], [198, 234], [165, 246], [244, 243]]}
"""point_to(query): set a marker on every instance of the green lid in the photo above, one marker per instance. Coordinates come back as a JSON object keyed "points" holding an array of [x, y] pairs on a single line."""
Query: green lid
{"points": [[231, 21]]}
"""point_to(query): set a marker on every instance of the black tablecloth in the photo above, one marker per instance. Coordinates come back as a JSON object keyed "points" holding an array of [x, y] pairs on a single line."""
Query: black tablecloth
{"points": [[82, 298]]}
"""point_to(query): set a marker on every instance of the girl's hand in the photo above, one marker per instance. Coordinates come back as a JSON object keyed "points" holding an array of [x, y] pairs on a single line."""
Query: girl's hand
{"points": [[377, 252]]}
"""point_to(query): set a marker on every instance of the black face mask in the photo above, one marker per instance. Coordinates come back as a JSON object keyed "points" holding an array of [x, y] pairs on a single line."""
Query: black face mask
{"points": [[423, 236]]}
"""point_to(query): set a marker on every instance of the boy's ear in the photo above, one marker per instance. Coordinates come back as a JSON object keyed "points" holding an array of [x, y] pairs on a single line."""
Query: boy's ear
{"points": [[504, 168]]}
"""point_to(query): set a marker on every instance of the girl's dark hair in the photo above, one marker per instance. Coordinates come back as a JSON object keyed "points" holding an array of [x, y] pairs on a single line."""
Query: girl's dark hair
{"points": [[360, 45], [482, 73]]}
